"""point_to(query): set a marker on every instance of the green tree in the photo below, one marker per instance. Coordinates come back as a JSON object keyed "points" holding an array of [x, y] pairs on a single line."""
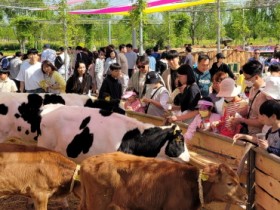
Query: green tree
{"points": [[275, 29], [237, 26], [182, 23], [25, 29]]}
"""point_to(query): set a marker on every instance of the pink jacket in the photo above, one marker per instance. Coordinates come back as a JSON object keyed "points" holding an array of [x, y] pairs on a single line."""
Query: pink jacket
{"points": [[196, 124]]}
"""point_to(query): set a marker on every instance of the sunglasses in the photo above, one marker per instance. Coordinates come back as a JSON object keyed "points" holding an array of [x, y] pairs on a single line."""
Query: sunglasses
{"points": [[141, 66]]}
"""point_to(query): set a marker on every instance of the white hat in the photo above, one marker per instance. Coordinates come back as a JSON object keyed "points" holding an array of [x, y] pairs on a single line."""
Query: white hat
{"points": [[228, 88], [272, 87]]}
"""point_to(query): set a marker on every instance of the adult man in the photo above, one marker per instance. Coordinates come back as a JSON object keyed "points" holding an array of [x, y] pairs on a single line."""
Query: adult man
{"points": [[252, 73], [202, 75], [189, 57], [221, 66], [48, 54], [152, 62], [15, 64], [124, 65], [131, 57], [170, 75], [4, 62], [257, 57], [30, 73], [81, 56], [65, 61]]}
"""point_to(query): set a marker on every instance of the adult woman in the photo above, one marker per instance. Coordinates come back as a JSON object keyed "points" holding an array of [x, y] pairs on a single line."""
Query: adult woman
{"points": [[109, 61], [156, 96], [80, 82], [53, 81], [190, 96], [137, 80], [216, 80]]}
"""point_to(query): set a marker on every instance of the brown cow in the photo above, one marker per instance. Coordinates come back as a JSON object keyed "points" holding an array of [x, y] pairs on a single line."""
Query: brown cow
{"points": [[126, 182], [35, 172]]}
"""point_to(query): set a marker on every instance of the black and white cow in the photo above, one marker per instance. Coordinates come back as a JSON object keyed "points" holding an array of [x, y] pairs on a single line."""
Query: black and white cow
{"points": [[80, 132], [20, 112]]}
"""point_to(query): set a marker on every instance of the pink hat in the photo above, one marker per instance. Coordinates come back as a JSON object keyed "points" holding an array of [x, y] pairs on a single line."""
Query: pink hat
{"points": [[128, 94], [228, 88]]}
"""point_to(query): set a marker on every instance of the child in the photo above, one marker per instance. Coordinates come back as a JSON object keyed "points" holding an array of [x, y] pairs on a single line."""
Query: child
{"points": [[234, 106], [269, 115], [132, 102], [206, 119], [6, 84]]}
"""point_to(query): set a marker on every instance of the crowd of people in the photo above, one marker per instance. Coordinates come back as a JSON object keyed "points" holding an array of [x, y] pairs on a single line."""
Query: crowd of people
{"points": [[161, 84]]}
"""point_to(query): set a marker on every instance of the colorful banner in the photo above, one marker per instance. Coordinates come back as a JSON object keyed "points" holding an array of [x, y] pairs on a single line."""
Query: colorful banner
{"points": [[120, 9], [170, 7]]}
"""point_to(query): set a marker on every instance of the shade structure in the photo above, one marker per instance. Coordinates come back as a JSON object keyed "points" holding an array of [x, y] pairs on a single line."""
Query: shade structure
{"points": [[152, 7]]}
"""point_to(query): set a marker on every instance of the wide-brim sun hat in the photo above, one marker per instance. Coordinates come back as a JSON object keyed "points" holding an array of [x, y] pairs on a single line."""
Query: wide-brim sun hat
{"points": [[272, 87], [228, 88]]}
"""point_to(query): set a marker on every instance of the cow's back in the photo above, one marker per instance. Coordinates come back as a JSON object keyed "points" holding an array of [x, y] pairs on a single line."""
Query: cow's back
{"points": [[31, 170], [73, 130], [136, 183]]}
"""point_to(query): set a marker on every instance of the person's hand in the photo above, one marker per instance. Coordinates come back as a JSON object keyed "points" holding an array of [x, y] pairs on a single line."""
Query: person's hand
{"points": [[263, 144], [235, 121], [240, 136], [146, 100], [214, 125], [172, 119], [129, 108]]}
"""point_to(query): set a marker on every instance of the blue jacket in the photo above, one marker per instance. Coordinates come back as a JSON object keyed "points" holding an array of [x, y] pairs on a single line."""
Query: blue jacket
{"points": [[203, 80]]}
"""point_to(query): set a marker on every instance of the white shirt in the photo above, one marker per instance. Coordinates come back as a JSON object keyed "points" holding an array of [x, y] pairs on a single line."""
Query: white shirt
{"points": [[62, 68], [31, 75], [7, 85]]}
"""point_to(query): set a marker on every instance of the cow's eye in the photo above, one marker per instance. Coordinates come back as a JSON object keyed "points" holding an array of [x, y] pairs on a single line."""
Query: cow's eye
{"points": [[229, 184]]}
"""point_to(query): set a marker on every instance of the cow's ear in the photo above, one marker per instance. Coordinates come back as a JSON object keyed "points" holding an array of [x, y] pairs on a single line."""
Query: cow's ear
{"points": [[225, 169], [211, 171]]}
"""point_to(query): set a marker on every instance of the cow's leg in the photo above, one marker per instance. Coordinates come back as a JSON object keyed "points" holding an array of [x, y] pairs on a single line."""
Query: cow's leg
{"points": [[30, 204], [113, 206], [41, 201]]}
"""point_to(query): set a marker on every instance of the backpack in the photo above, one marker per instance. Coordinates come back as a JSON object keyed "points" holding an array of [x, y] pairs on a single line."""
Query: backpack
{"points": [[5, 63], [58, 62]]}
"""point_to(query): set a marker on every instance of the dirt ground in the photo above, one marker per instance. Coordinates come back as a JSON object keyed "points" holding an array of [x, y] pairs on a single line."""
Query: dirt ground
{"points": [[19, 203]]}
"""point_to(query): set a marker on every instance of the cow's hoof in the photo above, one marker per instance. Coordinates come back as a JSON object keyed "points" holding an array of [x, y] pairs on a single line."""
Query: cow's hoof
{"points": [[30, 206]]}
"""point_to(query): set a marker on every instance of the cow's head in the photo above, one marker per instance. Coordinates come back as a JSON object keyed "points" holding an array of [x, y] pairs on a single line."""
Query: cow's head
{"points": [[221, 183], [176, 147]]}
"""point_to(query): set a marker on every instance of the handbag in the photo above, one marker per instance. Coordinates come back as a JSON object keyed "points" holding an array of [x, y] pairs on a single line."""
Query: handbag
{"points": [[244, 127]]}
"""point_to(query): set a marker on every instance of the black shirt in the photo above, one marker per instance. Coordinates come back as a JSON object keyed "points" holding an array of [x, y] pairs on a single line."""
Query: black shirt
{"points": [[223, 67], [110, 87], [190, 97]]}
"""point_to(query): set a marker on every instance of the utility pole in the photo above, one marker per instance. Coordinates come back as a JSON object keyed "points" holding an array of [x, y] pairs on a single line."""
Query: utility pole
{"points": [[141, 50], [134, 42], [218, 27], [109, 32], [64, 3]]}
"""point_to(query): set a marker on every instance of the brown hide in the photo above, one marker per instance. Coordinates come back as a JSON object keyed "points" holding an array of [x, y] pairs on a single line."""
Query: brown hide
{"points": [[127, 182], [34, 172]]}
